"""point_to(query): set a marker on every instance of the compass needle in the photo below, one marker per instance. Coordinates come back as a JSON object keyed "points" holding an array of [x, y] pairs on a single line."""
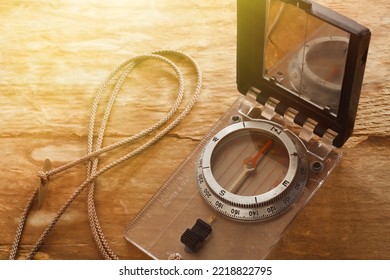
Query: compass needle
{"points": [[260, 154], [249, 165]]}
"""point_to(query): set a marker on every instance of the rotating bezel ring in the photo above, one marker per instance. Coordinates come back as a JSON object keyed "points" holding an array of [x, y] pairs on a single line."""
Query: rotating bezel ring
{"points": [[259, 206]]}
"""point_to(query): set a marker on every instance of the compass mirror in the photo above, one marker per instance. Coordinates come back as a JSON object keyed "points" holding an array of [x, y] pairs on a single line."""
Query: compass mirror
{"points": [[305, 55]]}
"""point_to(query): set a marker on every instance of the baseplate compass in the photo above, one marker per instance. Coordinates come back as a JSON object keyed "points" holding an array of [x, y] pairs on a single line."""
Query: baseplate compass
{"points": [[247, 180], [300, 69]]}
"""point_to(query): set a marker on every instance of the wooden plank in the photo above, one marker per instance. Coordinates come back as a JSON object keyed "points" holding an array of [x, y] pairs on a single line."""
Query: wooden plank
{"points": [[55, 56]]}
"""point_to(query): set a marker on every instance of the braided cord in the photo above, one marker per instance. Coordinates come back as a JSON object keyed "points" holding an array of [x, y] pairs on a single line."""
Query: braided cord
{"points": [[93, 172]]}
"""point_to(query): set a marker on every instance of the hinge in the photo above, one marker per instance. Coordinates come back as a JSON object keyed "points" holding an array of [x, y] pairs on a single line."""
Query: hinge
{"points": [[269, 107], [249, 102]]}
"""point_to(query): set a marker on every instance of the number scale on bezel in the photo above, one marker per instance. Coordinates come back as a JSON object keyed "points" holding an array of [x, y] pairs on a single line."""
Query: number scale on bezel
{"points": [[259, 206]]}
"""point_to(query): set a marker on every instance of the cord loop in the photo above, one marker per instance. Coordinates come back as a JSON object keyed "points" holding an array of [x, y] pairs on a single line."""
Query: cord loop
{"points": [[96, 149]]}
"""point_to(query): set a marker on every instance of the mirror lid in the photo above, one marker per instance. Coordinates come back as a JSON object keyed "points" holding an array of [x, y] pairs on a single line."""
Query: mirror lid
{"points": [[304, 55]]}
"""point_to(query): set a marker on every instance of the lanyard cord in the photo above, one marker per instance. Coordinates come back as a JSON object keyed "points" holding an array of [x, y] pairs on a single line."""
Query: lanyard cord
{"points": [[93, 152]]}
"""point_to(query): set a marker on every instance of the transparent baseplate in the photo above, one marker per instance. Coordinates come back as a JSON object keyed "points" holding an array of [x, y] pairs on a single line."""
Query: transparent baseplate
{"points": [[157, 229]]}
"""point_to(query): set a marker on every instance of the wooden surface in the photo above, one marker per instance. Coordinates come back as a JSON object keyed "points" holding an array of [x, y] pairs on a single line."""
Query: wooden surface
{"points": [[54, 55]]}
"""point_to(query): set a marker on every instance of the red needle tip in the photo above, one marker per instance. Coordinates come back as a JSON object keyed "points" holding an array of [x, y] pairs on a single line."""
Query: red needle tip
{"points": [[252, 162]]}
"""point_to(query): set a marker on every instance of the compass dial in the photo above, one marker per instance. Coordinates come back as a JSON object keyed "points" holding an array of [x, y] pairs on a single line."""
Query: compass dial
{"points": [[251, 170]]}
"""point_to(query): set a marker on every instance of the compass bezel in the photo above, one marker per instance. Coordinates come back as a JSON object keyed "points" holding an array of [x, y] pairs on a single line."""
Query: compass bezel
{"points": [[259, 206]]}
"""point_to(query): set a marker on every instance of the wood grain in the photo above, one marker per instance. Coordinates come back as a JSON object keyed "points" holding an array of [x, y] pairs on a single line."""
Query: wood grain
{"points": [[54, 57]]}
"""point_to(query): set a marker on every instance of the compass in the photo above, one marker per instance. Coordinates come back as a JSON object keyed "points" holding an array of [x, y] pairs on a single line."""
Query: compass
{"points": [[299, 69], [252, 170]]}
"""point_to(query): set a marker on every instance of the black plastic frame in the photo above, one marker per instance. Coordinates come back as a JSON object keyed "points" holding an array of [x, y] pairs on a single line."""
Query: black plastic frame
{"points": [[251, 21]]}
